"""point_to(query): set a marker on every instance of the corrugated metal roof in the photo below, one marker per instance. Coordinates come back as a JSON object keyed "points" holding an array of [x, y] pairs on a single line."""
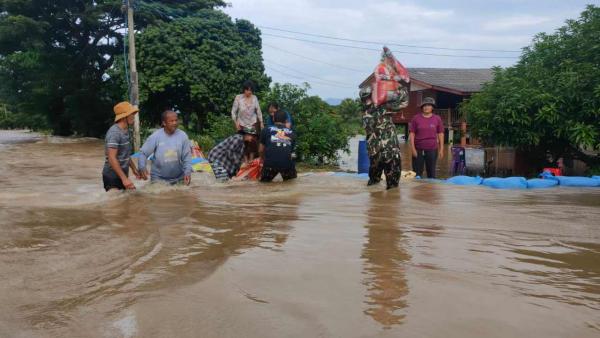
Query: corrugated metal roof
{"points": [[464, 80]]}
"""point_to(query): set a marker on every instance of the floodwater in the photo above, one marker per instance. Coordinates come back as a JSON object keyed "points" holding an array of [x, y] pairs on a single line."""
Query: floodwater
{"points": [[322, 256]]}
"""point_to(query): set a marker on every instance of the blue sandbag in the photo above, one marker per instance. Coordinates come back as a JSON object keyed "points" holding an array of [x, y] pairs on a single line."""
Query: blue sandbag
{"points": [[432, 180], [596, 177], [537, 183], [362, 176], [506, 183], [465, 180], [576, 181]]}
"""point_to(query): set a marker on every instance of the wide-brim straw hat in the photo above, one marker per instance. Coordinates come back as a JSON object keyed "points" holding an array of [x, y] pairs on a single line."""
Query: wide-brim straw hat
{"points": [[124, 109]]}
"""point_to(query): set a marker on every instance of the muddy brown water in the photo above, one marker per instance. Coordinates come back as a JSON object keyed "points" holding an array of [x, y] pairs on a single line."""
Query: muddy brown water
{"points": [[319, 257]]}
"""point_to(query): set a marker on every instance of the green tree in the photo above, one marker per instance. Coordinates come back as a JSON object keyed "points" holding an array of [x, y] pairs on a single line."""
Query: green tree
{"points": [[320, 129], [287, 95], [55, 57], [350, 111], [549, 102], [198, 64]]}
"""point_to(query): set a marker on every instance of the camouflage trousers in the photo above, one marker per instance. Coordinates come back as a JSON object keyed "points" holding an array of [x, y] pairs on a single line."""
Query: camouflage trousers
{"points": [[383, 148], [391, 170]]}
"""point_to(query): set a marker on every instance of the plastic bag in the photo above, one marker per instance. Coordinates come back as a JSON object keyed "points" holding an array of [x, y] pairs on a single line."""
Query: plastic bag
{"points": [[250, 171], [391, 83]]}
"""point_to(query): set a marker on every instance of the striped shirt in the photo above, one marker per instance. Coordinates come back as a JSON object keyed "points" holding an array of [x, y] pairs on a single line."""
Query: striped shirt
{"points": [[117, 138]]}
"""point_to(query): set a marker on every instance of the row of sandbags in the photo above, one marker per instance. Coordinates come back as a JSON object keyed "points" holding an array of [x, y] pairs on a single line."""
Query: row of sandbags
{"points": [[546, 181]]}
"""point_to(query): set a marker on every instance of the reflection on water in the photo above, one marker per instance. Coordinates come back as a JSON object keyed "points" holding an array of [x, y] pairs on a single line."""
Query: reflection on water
{"points": [[320, 256], [385, 258]]}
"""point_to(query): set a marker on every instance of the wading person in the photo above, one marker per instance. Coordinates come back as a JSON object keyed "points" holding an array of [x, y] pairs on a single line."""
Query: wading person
{"points": [[382, 142], [274, 107], [276, 148], [172, 151], [226, 157], [118, 150], [247, 117], [426, 139]]}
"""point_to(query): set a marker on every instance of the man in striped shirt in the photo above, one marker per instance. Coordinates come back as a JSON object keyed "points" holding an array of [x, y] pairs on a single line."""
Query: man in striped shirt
{"points": [[118, 150]]}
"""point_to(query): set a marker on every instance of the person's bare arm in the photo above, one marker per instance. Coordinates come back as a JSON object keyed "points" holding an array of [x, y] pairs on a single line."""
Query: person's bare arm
{"points": [[441, 145], [114, 164], [259, 115], [134, 169], [234, 113], [261, 151], [411, 139]]}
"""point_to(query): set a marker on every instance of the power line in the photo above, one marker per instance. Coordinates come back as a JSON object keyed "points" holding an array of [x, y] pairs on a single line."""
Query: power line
{"points": [[305, 74], [388, 43], [395, 51], [373, 42], [314, 60], [311, 81]]}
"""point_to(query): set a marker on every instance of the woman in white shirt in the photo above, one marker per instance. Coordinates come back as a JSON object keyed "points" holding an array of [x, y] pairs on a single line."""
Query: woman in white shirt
{"points": [[246, 112], [247, 116]]}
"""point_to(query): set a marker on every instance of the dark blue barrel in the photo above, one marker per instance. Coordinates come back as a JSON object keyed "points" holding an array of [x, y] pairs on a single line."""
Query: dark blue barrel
{"points": [[363, 157]]}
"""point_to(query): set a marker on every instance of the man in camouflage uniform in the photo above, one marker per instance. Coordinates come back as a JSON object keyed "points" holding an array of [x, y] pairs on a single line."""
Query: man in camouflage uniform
{"points": [[382, 142]]}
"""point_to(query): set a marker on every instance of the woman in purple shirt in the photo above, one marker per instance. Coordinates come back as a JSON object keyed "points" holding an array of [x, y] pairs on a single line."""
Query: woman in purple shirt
{"points": [[426, 139]]}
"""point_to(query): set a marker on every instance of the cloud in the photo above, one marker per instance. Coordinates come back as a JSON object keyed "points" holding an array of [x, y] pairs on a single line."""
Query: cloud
{"points": [[426, 23], [515, 22]]}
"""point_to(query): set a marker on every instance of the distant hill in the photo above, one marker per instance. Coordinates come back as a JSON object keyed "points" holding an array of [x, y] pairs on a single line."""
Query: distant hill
{"points": [[333, 101]]}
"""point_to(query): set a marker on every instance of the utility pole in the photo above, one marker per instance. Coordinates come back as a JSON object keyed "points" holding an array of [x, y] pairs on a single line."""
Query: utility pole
{"points": [[134, 91]]}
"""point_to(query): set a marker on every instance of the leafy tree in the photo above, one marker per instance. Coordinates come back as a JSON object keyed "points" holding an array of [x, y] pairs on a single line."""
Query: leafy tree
{"points": [[549, 102], [198, 64], [321, 131], [55, 55], [350, 111], [287, 95]]}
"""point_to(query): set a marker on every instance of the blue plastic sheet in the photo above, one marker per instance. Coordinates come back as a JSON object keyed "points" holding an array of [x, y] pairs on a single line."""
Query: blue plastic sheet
{"points": [[506, 183]]}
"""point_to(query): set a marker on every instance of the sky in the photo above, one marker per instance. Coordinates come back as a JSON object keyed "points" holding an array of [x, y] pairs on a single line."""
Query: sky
{"points": [[494, 29]]}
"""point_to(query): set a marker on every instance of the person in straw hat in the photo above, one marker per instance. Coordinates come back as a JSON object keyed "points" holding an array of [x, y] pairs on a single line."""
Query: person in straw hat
{"points": [[117, 148]]}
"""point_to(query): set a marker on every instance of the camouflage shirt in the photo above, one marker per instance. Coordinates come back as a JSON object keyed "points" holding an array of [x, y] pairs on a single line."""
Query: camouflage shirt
{"points": [[382, 138]]}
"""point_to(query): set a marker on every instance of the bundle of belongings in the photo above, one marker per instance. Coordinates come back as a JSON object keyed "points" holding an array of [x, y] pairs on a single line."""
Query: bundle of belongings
{"points": [[250, 171], [391, 86], [199, 161]]}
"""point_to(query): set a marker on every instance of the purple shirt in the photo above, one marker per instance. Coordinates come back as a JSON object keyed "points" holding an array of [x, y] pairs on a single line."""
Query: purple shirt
{"points": [[426, 130]]}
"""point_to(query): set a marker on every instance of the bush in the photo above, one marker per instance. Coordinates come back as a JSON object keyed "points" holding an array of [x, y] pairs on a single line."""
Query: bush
{"points": [[10, 120], [594, 171], [321, 132], [219, 127], [205, 142]]}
